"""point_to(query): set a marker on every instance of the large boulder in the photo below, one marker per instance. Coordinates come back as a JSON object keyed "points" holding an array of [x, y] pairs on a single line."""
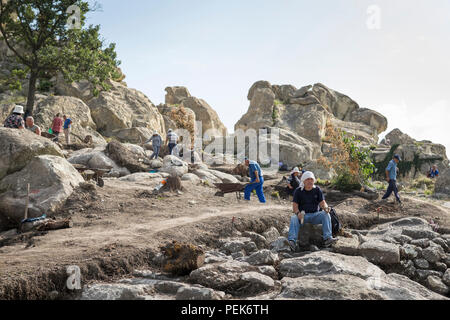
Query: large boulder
{"points": [[370, 118], [176, 117], [175, 95], [122, 108], [18, 147], [133, 135], [366, 134], [258, 85], [350, 287], [121, 155], [75, 109], [292, 149], [396, 136], [206, 115], [323, 262], [82, 89], [306, 121], [52, 180], [284, 92], [174, 166], [259, 114], [340, 105]]}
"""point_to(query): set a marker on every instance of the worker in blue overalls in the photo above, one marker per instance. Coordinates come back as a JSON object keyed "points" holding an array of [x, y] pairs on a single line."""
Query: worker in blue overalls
{"points": [[256, 181]]}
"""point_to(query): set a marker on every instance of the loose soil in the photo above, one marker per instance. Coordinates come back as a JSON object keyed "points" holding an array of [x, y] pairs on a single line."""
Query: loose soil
{"points": [[121, 226]]}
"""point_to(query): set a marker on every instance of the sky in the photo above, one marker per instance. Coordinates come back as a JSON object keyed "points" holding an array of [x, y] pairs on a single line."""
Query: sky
{"points": [[389, 56]]}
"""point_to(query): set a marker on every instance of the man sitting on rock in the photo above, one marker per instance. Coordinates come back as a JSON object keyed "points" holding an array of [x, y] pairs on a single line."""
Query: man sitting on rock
{"points": [[15, 120], [391, 177], [308, 200], [256, 181], [32, 126]]}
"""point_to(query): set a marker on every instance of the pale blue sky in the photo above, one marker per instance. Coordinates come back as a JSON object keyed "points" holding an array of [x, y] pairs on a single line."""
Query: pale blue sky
{"points": [[219, 48]]}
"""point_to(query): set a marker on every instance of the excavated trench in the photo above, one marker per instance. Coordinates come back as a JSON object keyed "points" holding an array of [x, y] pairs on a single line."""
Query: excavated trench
{"points": [[51, 284]]}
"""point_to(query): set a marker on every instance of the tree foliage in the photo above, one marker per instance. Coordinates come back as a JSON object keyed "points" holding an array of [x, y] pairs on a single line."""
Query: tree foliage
{"points": [[42, 37]]}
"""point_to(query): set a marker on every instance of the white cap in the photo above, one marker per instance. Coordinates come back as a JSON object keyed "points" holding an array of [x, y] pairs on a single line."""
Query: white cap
{"points": [[307, 175], [155, 132], [295, 170], [18, 109]]}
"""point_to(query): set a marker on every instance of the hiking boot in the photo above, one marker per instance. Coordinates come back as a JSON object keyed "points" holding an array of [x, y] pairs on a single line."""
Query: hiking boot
{"points": [[292, 245], [330, 241]]}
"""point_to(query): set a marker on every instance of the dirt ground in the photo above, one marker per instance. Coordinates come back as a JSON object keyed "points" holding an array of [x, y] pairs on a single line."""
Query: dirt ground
{"points": [[119, 227]]}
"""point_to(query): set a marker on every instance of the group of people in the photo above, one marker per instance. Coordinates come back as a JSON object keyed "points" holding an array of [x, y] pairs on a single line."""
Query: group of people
{"points": [[16, 121], [58, 125], [157, 142], [309, 205]]}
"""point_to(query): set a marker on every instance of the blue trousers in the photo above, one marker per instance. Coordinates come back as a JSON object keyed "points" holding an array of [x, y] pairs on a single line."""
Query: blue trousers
{"points": [[259, 190], [392, 188], [171, 146], [155, 153], [320, 217]]}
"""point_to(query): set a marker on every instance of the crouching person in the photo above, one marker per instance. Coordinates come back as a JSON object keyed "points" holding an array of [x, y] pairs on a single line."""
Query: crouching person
{"points": [[308, 198]]}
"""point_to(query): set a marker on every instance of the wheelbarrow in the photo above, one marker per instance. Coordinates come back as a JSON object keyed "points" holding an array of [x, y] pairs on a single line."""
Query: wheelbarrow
{"points": [[229, 188], [91, 174]]}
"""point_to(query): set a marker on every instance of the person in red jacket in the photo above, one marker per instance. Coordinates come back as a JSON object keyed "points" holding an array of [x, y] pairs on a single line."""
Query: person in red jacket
{"points": [[57, 126]]}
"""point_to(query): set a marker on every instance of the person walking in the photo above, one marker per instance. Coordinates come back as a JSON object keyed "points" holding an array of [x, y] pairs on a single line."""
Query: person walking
{"points": [[67, 128], [57, 126], [156, 144], [172, 140], [256, 181], [391, 177]]}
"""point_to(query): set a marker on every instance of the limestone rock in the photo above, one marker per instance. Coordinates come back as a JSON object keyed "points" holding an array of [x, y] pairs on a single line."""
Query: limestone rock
{"points": [[207, 115], [370, 118], [435, 284], [323, 262], [175, 95], [122, 108], [263, 257], [52, 180], [340, 105], [380, 252], [18, 147]]}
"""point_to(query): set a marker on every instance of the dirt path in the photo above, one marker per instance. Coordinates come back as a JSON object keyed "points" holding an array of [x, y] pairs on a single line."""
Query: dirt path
{"points": [[122, 220], [117, 228]]}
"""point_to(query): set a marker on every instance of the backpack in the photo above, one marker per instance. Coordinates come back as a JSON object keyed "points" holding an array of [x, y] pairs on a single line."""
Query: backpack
{"points": [[335, 224]]}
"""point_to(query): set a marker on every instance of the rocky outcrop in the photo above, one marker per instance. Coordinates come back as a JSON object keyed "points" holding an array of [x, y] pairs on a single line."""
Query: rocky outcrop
{"points": [[180, 96], [18, 147], [52, 180], [371, 118], [417, 156], [75, 109], [206, 115], [340, 105], [442, 186], [175, 95], [124, 108]]}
